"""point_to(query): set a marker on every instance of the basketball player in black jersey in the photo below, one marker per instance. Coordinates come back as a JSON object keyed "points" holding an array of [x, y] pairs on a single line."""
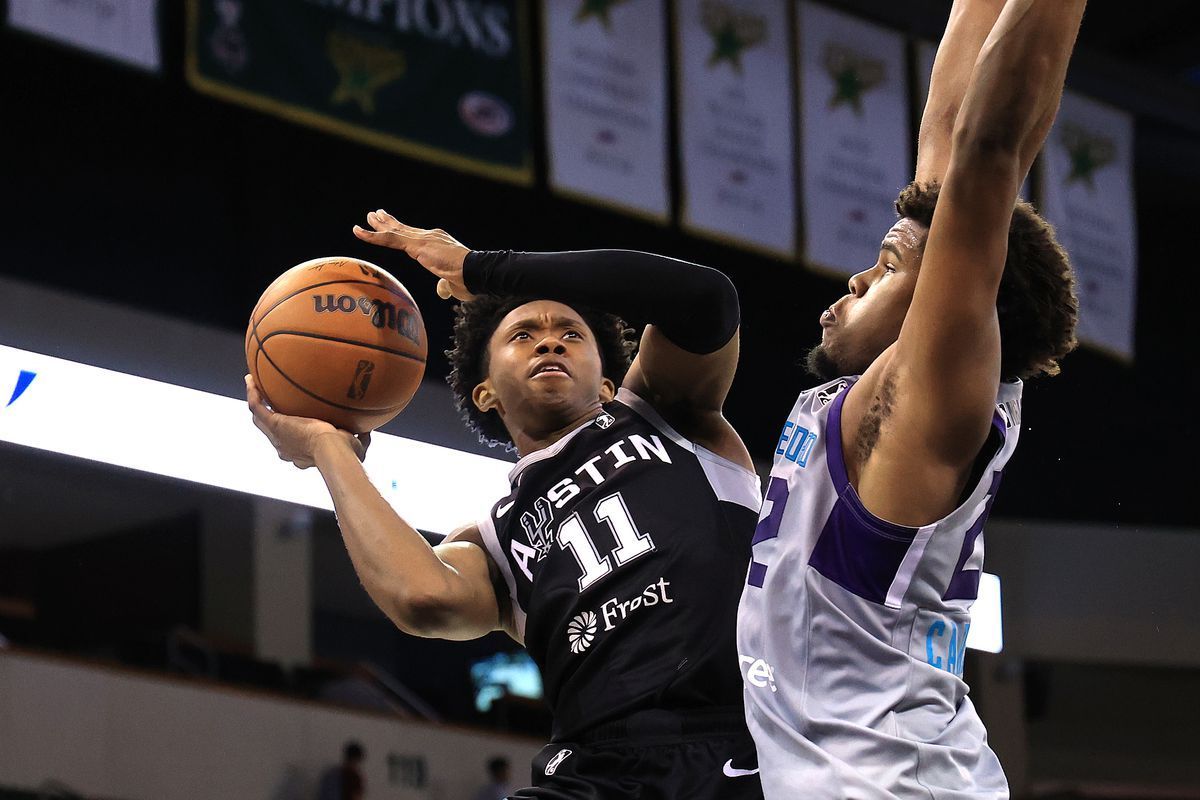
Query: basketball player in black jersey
{"points": [[618, 555]]}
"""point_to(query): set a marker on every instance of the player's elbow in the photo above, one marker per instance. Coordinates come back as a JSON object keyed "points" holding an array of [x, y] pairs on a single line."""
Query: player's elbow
{"points": [[418, 610]]}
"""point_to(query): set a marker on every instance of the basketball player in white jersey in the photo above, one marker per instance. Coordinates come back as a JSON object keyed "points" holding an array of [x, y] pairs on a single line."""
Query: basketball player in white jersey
{"points": [[868, 551]]}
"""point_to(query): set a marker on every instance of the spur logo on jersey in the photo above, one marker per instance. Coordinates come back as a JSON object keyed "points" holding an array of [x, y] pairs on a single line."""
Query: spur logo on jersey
{"points": [[796, 443], [537, 524], [581, 631]]}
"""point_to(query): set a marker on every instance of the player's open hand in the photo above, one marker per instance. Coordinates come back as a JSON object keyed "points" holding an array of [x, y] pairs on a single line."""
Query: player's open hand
{"points": [[435, 250], [296, 439]]}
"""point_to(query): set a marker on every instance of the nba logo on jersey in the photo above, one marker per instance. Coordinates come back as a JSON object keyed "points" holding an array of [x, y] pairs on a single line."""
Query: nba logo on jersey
{"points": [[604, 421]]}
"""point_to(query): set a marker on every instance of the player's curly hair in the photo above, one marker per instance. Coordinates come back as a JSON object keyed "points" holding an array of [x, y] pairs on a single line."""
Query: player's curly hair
{"points": [[474, 324], [1037, 305]]}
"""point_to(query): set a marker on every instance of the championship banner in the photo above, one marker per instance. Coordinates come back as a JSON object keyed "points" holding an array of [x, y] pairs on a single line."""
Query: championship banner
{"points": [[606, 103], [124, 30], [1087, 193], [736, 123], [855, 140], [441, 82]]}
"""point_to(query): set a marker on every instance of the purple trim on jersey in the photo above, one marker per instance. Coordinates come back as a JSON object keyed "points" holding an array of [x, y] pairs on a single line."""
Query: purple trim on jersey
{"points": [[856, 550], [758, 574], [998, 424], [965, 583], [833, 442]]}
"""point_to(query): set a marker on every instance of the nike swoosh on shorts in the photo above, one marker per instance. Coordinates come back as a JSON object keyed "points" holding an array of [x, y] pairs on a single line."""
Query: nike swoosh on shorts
{"points": [[733, 772]]}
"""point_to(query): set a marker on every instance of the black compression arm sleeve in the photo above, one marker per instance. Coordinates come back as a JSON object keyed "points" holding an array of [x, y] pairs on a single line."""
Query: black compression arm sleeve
{"points": [[695, 307]]}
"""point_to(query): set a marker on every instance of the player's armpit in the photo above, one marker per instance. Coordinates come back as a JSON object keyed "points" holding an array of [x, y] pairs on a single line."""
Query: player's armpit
{"points": [[689, 390]]}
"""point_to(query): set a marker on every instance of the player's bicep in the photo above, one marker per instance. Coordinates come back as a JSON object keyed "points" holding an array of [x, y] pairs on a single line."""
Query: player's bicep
{"points": [[670, 377], [489, 603]]}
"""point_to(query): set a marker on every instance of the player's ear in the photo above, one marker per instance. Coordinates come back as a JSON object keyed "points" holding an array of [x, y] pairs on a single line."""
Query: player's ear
{"points": [[484, 397], [608, 390]]}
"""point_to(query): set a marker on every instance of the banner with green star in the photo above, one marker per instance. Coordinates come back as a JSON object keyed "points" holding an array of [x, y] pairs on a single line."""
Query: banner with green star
{"points": [[736, 126], [855, 140], [606, 103], [1087, 194], [441, 82]]}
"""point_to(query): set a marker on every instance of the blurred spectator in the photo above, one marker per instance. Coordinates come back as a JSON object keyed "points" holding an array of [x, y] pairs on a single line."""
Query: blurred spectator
{"points": [[499, 787], [345, 781]]}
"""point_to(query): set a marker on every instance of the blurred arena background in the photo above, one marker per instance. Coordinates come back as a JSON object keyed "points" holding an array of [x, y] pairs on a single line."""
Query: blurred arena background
{"points": [[178, 617]]}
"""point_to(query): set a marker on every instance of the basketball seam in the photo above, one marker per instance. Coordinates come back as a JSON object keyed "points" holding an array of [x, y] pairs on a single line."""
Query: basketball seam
{"points": [[313, 395], [326, 338]]}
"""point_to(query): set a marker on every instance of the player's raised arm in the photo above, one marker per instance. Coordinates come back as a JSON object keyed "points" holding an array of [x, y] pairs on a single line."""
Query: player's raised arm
{"points": [[444, 592], [968, 27], [935, 390], [688, 352]]}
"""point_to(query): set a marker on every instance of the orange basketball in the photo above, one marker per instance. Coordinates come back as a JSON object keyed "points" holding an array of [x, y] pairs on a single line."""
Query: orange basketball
{"points": [[337, 339]]}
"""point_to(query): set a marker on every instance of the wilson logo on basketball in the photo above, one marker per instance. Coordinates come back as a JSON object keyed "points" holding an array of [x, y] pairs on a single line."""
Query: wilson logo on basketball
{"points": [[362, 379], [383, 315]]}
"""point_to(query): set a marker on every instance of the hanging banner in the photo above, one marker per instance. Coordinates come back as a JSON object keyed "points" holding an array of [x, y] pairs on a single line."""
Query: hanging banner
{"points": [[1087, 193], [855, 138], [124, 30], [736, 123], [441, 82], [606, 103]]}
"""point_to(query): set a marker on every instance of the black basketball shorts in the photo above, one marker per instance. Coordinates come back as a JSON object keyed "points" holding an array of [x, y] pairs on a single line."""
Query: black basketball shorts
{"points": [[652, 755]]}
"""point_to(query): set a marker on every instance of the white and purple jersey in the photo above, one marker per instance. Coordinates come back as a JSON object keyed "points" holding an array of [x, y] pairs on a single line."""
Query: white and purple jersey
{"points": [[852, 630]]}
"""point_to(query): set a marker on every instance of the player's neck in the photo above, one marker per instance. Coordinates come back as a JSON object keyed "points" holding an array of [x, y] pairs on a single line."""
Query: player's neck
{"points": [[532, 438]]}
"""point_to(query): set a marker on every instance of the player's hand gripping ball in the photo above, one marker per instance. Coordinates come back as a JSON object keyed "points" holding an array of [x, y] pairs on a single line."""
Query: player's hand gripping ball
{"points": [[337, 339]]}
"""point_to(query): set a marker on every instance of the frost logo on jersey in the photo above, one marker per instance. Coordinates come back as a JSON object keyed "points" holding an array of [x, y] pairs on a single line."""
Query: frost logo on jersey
{"points": [[580, 633], [537, 527], [615, 610], [554, 763], [605, 421]]}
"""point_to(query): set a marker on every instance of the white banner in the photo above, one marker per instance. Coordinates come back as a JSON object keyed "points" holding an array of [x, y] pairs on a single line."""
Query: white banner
{"points": [[1087, 193], [125, 30], [736, 123], [856, 146], [606, 103]]}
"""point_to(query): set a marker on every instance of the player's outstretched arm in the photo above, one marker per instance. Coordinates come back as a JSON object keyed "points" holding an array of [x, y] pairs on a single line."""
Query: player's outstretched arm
{"points": [[937, 385], [688, 353], [444, 592], [967, 28]]}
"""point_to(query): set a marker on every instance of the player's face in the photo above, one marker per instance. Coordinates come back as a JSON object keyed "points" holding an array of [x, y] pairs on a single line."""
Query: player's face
{"points": [[866, 321], [544, 368]]}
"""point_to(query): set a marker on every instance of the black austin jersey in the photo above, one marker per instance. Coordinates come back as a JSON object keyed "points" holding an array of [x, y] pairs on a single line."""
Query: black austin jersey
{"points": [[624, 547]]}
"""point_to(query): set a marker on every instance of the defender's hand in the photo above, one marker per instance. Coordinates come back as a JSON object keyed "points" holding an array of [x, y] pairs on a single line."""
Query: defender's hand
{"points": [[435, 250], [296, 439]]}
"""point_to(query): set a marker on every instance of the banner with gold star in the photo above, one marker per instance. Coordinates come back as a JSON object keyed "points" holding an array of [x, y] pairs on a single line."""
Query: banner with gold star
{"points": [[736, 127], [1087, 194], [444, 83], [606, 103], [855, 142], [124, 30]]}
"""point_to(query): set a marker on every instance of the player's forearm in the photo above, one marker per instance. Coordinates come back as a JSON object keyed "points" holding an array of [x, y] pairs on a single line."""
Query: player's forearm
{"points": [[695, 307], [397, 567], [968, 27], [1017, 82]]}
